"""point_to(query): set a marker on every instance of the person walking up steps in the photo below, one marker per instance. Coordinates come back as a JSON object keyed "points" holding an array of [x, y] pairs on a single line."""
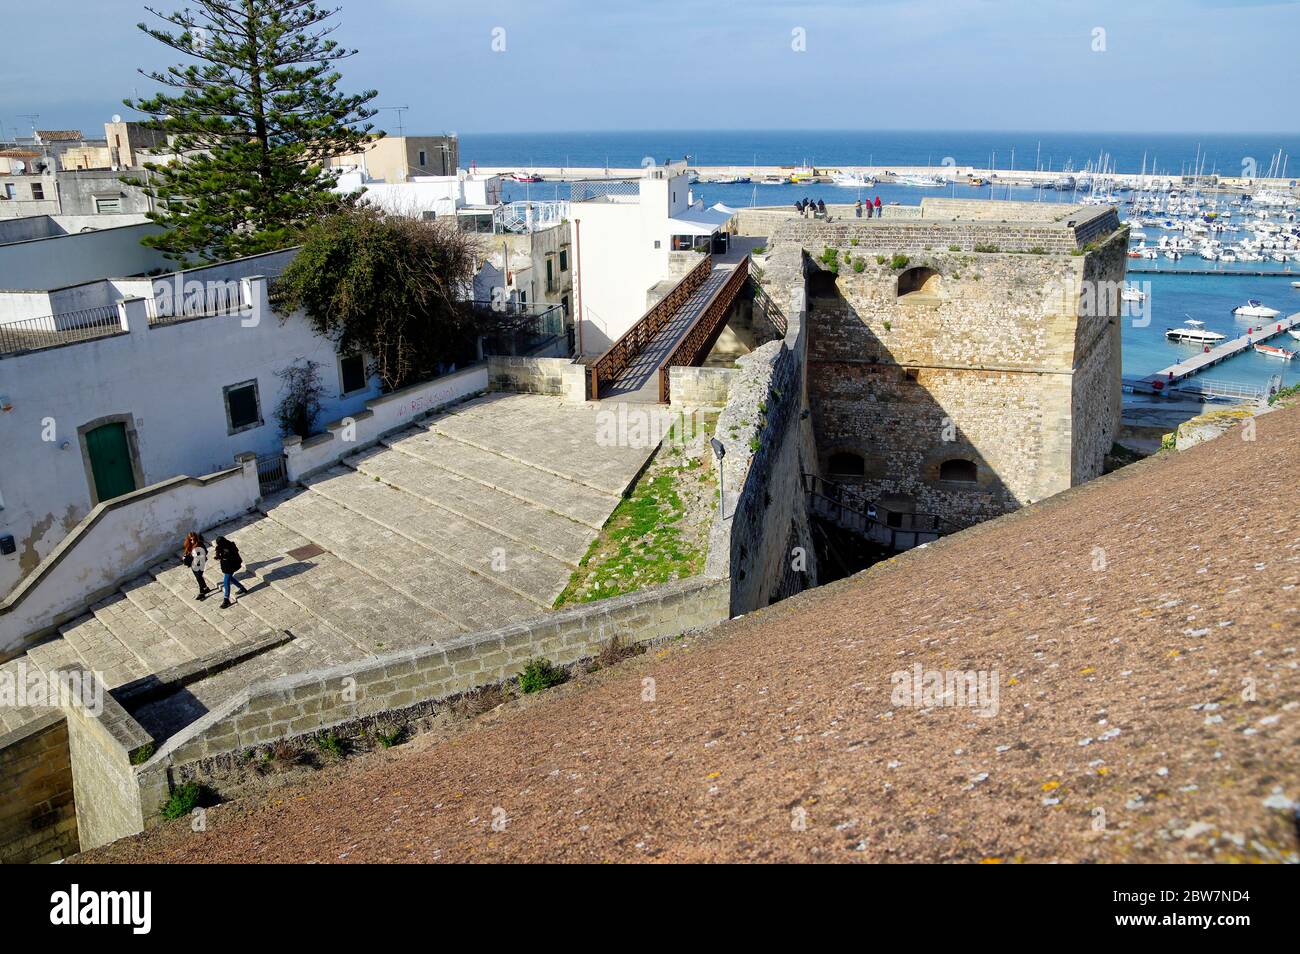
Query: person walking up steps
{"points": [[196, 558], [230, 561]]}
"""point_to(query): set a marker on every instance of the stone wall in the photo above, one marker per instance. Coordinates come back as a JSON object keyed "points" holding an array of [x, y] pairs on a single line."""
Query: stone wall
{"points": [[988, 360], [309, 702], [761, 540], [558, 376], [700, 387], [38, 820], [104, 747]]}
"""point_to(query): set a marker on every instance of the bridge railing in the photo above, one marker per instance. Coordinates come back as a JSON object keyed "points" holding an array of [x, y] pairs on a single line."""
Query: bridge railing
{"points": [[700, 337], [624, 351], [896, 529]]}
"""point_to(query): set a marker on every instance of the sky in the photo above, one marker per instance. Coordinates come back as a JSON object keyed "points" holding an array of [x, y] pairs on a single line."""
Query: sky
{"points": [[512, 66]]}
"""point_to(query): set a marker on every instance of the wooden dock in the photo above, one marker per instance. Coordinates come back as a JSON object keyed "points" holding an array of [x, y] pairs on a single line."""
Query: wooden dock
{"points": [[1167, 377]]}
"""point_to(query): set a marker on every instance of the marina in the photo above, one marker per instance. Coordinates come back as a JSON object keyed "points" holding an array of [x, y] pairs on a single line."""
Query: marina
{"points": [[1180, 371]]}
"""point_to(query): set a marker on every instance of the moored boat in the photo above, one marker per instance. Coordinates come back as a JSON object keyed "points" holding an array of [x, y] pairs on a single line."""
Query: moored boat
{"points": [[1255, 309], [1272, 351], [1193, 333]]}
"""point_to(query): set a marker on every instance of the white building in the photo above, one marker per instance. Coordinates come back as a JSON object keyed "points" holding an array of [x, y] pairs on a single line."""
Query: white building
{"points": [[471, 198], [630, 236], [122, 394]]}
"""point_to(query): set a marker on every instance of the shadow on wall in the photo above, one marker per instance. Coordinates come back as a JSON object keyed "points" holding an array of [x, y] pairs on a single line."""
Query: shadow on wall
{"points": [[878, 425]]}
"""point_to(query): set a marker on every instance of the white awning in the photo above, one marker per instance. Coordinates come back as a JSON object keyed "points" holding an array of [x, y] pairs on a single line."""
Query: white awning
{"points": [[698, 222]]}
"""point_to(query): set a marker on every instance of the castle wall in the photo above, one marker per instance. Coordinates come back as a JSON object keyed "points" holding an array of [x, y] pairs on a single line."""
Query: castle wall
{"points": [[989, 361]]}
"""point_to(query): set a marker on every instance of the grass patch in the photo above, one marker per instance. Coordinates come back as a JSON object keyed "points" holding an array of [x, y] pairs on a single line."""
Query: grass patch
{"points": [[330, 745], [1284, 393], [183, 800], [657, 534], [539, 674]]}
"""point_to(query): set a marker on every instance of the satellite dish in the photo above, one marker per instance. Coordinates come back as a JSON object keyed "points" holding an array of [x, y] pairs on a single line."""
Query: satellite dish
{"points": [[19, 166], [117, 118]]}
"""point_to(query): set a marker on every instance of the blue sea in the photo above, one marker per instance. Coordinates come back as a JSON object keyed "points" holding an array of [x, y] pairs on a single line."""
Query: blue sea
{"points": [[1173, 296]]}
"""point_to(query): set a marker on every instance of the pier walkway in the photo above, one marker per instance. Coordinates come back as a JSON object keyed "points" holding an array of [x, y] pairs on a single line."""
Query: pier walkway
{"points": [[1197, 363], [678, 331]]}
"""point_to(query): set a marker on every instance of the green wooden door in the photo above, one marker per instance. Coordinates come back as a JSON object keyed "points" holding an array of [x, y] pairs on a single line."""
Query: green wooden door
{"points": [[110, 461]]}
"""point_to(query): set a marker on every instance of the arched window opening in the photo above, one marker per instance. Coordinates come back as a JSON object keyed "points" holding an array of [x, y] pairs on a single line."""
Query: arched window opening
{"points": [[918, 281], [958, 471], [846, 464]]}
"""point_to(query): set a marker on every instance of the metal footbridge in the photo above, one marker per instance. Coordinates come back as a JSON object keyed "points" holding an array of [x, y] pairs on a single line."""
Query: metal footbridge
{"points": [[678, 331]]}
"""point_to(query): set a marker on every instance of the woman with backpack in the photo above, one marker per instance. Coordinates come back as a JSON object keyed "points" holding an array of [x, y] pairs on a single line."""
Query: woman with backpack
{"points": [[195, 557], [230, 561]]}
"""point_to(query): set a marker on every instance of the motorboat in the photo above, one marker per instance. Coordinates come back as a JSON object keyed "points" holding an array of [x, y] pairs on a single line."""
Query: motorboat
{"points": [[1294, 333], [1272, 351], [1132, 293], [853, 180], [922, 181], [1255, 309], [1193, 332], [526, 177], [1295, 284]]}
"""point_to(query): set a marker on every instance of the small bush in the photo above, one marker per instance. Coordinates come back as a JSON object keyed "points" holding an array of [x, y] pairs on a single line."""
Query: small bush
{"points": [[1284, 393], [853, 241], [387, 738], [888, 324], [183, 800], [1038, 250], [880, 260], [753, 445], [758, 250], [859, 266], [899, 261], [539, 674], [1168, 442], [330, 745], [954, 248], [986, 248], [142, 754]]}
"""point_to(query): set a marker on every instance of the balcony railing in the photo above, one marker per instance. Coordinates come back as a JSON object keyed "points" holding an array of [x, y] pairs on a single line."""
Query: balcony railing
{"points": [[50, 331], [217, 298]]}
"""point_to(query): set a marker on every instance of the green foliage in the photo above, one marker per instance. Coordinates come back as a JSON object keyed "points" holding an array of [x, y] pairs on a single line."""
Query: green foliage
{"points": [[881, 259], [954, 248], [142, 754], [758, 250], [1038, 250], [330, 745], [390, 738], [255, 111], [386, 286], [831, 258], [859, 266], [888, 324], [539, 674], [853, 241], [300, 399], [1169, 442], [981, 247], [898, 261], [183, 800], [1284, 393]]}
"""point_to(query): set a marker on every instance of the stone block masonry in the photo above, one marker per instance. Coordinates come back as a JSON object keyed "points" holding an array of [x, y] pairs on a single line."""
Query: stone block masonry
{"points": [[308, 702], [959, 382], [38, 819]]}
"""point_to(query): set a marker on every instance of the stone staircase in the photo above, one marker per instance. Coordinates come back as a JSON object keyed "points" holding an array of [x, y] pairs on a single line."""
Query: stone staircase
{"points": [[468, 521]]}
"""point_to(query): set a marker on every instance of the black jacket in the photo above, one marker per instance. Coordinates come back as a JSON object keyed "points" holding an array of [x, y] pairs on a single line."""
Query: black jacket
{"points": [[228, 557]]}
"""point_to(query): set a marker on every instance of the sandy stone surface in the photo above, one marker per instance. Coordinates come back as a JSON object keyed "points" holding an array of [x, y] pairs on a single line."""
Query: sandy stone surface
{"points": [[1144, 630]]}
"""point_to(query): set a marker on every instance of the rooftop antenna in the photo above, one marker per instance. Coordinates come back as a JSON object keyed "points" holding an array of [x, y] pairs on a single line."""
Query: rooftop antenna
{"points": [[401, 130]]}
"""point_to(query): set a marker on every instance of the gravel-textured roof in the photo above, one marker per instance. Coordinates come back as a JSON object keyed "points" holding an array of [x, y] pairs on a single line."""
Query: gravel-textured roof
{"points": [[1144, 629]]}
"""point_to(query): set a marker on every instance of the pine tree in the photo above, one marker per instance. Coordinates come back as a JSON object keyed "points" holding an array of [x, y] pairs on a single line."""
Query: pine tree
{"points": [[254, 115]]}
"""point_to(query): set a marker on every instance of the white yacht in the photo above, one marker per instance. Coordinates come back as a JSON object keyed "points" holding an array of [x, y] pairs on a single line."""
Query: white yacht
{"points": [[1132, 293], [853, 180], [1255, 309], [1193, 332]]}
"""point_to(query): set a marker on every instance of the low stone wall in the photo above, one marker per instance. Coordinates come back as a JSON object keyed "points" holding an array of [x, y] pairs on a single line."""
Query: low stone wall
{"points": [[762, 540], [700, 387], [383, 415], [558, 376], [38, 819], [105, 746], [118, 540], [308, 702]]}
